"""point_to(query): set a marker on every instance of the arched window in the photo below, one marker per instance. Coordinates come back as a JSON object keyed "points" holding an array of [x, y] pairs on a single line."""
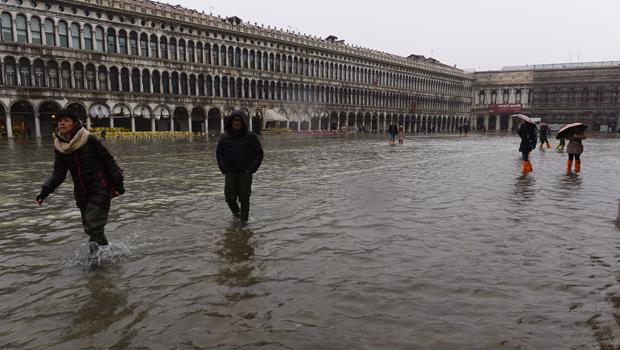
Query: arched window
{"points": [[201, 85], [156, 87], [144, 45], [238, 57], [146, 81], [190, 52], [125, 79], [216, 55], [153, 42], [173, 48], [208, 54], [163, 47], [35, 30], [133, 43], [175, 83], [182, 56], [114, 83], [102, 76], [50, 35], [88, 37], [231, 57], [199, 54], [184, 84], [90, 77], [111, 35], [75, 36], [22, 31], [65, 75], [24, 72], [7, 26], [209, 86], [39, 74], [78, 76], [52, 73], [99, 39], [165, 83], [135, 80], [122, 42], [216, 86], [10, 71], [62, 34]]}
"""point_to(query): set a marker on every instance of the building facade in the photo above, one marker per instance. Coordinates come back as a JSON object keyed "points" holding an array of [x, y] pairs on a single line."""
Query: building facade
{"points": [[147, 66], [555, 93]]}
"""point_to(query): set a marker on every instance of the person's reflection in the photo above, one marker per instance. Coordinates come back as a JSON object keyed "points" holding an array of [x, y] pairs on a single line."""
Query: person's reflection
{"points": [[524, 188], [101, 307], [237, 250]]}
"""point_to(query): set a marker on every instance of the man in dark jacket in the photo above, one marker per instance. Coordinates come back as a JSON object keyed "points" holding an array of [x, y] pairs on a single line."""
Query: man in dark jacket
{"points": [[96, 176], [239, 155], [527, 132]]}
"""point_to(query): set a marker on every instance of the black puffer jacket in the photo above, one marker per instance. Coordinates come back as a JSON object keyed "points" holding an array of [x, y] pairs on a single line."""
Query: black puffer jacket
{"points": [[94, 171], [238, 151], [527, 132]]}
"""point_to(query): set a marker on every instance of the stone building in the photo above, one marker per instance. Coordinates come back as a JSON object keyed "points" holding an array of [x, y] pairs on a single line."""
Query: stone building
{"points": [[555, 93], [148, 66]]}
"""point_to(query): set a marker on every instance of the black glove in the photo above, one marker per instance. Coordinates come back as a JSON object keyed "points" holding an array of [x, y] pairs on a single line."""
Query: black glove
{"points": [[44, 193]]}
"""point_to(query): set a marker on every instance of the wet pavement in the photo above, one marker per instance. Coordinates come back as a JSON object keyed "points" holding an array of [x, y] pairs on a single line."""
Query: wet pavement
{"points": [[352, 244]]}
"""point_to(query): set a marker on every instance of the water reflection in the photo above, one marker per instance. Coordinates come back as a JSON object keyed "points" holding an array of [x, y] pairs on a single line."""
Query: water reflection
{"points": [[237, 251], [524, 188]]}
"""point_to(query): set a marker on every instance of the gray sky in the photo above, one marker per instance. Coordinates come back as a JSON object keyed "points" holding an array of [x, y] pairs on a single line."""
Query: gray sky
{"points": [[479, 34]]}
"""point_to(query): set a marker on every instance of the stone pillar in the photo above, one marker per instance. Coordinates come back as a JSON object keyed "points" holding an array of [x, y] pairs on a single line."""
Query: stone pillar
{"points": [[88, 122], [287, 123], [320, 123], [384, 122], [486, 123], [250, 126], [509, 124], [9, 127], [57, 39], [189, 123], [207, 124], [37, 125], [82, 38], [498, 124], [111, 122], [29, 31], [221, 124], [171, 123], [299, 125], [14, 27], [153, 124], [133, 123]]}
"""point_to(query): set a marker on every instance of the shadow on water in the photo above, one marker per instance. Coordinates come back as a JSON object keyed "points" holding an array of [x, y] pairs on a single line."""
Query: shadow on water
{"points": [[524, 188]]}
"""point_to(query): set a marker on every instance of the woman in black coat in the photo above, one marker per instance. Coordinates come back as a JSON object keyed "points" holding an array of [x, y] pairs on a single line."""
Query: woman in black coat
{"points": [[96, 176], [527, 132]]}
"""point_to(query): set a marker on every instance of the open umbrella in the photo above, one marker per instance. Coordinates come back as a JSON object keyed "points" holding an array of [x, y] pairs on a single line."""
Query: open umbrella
{"points": [[523, 117], [570, 129]]}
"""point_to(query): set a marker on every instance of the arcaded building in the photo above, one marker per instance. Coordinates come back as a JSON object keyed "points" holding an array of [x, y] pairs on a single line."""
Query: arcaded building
{"points": [[148, 66]]}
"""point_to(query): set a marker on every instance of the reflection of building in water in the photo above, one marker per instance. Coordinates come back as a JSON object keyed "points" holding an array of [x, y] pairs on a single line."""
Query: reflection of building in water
{"points": [[556, 93], [148, 66]]}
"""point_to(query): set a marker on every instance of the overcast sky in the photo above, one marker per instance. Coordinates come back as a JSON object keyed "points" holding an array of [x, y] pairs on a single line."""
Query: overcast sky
{"points": [[477, 34]]}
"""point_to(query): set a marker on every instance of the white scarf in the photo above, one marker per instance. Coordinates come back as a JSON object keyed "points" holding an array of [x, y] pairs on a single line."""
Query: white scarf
{"points": [[78, 140]]}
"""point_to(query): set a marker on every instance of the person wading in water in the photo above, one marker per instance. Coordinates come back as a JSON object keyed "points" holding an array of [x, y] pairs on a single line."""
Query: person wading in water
{"points": [[96, 176]]}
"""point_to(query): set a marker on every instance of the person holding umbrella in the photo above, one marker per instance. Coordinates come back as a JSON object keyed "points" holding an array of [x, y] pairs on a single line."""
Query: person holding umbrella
{"points": [[527, 132], [575, 133], [545, 132]]}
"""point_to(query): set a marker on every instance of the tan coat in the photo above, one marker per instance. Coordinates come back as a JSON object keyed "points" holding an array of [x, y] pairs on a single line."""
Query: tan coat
{"points": [[574, 144]]}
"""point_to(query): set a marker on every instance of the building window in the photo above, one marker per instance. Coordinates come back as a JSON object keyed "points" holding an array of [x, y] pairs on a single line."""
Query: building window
{"points": [[35, 30], [173, 49], [65, 75], [103, 79], [163, 48], [482, 98], [182, 50], [75, 36], [505, 96], [7, 27], [52, 72], [144, 45], [153, 43], [24, 72], [62, 34], [39, 74], [133, 43], [493, 97], [99, 39], [90, 78], [10, 71], [111, 40], [50, 37], [88, 37], [22, 31], [78, 76], [190, 53], [122, 42], [518, 96]]}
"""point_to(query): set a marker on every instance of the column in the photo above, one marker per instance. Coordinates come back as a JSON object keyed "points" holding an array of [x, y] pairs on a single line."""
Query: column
{"points": [[384, 122], [37, 125], [82, 37], [88, 123], [510, 124], [299, 125], [189, 123], [153, 123], [57, 38], [171, 123], [486, 123], [250, 126], [222, 124], [29, 31], [133, 123], [14, 27], [111, 122], [207, 124], [9, 127], [498, 124], [287, 123]]}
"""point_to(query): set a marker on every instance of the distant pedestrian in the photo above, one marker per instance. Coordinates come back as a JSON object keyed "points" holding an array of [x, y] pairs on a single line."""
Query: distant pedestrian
{"points": [[401, 135], [239, 155], [561, 144], [574, 150], [527, 132], [545, 132], [392, 131], [96, 176]]}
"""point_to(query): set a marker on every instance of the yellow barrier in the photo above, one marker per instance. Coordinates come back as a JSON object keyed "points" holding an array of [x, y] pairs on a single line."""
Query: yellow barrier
{"points": [[128, 135]]}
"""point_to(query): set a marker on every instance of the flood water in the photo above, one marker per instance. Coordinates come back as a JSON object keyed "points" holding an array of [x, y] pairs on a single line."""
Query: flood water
{"points": [[352, 244]]}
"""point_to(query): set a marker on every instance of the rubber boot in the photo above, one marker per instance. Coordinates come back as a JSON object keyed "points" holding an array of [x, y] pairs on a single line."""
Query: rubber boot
{"points": [[569, 166], [577, 166], [245, 211], [548, 144], [541, 145], [234, 207], [529, 167], [525, 167]]}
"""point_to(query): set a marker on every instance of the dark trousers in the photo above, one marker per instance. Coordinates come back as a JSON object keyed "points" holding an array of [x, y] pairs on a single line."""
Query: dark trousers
{"points": [[525, 155], [238, 187], [94, 218], [574, 155]]}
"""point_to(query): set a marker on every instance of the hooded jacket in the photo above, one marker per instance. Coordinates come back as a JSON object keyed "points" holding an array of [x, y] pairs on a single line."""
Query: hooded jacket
{"points": [[93, 169], [575, 146], [238, 151]]}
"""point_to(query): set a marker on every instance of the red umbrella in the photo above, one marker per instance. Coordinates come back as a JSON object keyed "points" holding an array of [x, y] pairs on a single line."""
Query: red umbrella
{"points": [[570, 129], [523, 117]]}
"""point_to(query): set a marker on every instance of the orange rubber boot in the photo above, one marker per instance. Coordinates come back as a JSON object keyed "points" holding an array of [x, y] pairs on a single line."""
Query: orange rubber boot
{"points": [[577, 166], [548, 144], [524, 167], [569, 166], [529, 166]]}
